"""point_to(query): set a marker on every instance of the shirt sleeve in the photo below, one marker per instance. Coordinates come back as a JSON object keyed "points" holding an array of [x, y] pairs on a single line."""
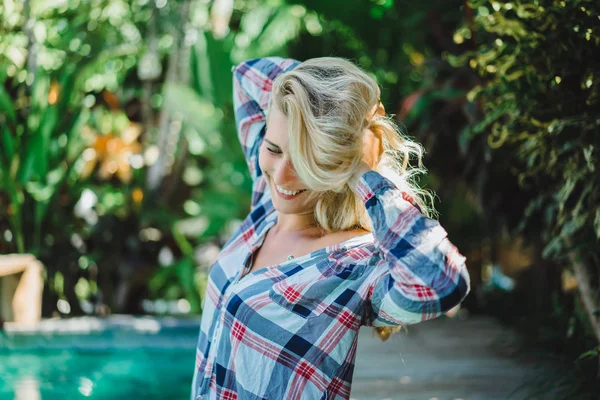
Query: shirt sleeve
{"points": [[252, 85], [421, 274]]}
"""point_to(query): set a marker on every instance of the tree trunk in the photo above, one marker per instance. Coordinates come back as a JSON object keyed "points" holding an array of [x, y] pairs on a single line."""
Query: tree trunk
{"points": [[583, 273]]}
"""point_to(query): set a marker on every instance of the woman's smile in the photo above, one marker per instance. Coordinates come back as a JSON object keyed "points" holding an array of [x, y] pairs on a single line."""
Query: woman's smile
{"points": [[287, 194]]}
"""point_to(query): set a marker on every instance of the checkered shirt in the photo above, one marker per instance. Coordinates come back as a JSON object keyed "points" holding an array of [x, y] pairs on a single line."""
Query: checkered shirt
{"points": [[289, 331]]}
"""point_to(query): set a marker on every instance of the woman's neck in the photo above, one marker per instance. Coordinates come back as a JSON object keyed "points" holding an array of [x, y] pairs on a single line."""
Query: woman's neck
{"points": [[296, 224]]}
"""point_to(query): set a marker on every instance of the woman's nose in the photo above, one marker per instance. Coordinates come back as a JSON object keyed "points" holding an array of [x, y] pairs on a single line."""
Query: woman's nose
{"points": [[284, 172]]}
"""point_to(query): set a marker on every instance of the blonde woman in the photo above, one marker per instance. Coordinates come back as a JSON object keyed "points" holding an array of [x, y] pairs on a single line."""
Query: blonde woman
{"points": [[337, 237]]}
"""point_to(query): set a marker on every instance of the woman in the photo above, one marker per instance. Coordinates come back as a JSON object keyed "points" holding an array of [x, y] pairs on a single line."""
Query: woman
{"points": [[330, 244]]}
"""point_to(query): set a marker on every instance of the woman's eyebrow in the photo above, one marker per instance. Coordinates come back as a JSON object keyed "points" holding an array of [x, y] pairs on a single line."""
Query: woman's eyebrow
{"points": [[272, 144]]}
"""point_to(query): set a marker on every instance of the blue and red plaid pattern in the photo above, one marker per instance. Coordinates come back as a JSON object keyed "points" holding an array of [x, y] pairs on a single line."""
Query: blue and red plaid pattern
{"points": [[289, 331]]}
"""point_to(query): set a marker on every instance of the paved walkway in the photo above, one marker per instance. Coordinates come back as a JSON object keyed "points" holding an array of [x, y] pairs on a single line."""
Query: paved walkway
{"points": [[446, 358]]}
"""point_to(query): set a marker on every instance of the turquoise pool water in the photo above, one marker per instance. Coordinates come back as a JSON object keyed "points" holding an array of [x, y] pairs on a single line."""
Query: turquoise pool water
{"points": [[126, 359]]}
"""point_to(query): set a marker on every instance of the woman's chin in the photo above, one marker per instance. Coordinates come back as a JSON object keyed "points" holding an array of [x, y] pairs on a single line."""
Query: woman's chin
{"points": [[288, 206]]}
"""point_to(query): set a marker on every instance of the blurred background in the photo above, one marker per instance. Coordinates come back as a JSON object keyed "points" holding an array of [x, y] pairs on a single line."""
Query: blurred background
{"points": [[121, 175]]}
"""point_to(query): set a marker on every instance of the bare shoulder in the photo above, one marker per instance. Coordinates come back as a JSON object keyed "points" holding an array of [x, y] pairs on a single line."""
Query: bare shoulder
{"points": [[339, 237]]}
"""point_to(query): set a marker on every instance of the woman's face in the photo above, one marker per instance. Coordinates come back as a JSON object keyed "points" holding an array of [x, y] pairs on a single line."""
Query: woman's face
{"points": [[277, 167]]}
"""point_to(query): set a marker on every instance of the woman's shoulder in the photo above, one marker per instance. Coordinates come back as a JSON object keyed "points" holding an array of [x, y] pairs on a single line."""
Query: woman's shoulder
{"points": [[354, 245], [343, 236], [357, 255]]}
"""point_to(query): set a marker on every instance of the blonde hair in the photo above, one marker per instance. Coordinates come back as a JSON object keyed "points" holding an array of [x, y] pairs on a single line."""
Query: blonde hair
{"points": [[326, 100]]}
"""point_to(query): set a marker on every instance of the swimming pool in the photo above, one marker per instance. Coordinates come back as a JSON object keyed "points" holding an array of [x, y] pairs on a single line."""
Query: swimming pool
{"points": [[93, 358]]}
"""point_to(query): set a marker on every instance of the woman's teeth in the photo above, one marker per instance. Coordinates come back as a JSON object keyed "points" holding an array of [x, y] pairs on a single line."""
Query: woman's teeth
{"points": [[288, 192]]}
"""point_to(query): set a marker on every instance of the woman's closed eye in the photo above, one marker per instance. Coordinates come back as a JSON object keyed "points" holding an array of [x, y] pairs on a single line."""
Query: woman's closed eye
{"points": [[273, 151]]}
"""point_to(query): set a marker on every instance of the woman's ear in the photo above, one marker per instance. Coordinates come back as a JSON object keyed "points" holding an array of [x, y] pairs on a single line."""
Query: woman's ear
{"points": [[377, 109], [381, 109], [372, 147]]}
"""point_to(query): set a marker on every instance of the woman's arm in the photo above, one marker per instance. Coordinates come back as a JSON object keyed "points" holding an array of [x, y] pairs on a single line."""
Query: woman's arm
{"points": [[252, 82], [422, 275]]}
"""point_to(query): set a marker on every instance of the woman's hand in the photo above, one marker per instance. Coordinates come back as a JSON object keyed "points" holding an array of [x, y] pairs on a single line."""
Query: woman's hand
{"points": [[372, 152]]}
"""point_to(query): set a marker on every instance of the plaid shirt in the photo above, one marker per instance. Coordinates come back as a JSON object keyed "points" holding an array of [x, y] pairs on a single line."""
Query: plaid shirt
{"points": [[289, 331]]}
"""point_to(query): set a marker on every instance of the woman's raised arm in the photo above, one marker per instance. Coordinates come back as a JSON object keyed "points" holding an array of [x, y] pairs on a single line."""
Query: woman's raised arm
{"points": [[422, 275], [252, 83]]}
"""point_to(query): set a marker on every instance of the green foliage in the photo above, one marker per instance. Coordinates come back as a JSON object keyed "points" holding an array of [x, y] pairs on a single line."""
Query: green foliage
{"points": [[40, 127], [539, 103], [118, 141], [541, 97]]}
